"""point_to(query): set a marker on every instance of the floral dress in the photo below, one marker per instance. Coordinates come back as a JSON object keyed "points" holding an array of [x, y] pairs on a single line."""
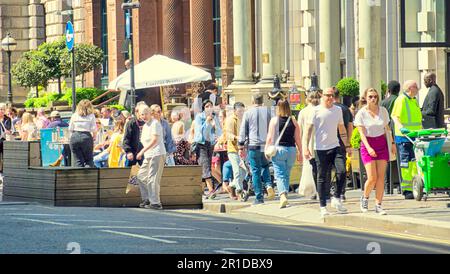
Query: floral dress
{"points": [[183, 150]]}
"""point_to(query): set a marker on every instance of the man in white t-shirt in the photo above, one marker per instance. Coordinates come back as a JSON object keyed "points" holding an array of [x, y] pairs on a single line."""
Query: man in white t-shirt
{"points": [[326, 119]]}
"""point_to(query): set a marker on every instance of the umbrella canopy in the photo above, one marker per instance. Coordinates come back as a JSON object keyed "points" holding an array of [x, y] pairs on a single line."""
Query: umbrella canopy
{"points": [[158, 71]]}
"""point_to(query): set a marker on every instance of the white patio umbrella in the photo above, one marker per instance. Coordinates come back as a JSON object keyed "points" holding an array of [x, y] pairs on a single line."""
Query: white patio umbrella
{"points": [[159, 71]]}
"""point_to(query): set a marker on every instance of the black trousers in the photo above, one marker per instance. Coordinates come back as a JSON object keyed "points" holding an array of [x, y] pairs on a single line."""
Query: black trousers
{"points": [[82, 146], [325, 160]]}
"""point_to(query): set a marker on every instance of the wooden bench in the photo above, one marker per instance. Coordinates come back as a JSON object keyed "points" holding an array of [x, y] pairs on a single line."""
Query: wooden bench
{"points": [[26, 180]]}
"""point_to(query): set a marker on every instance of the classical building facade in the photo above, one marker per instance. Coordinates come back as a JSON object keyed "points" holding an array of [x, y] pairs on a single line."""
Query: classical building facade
{"points": [[335, 39], [169, 27], [243, 43]]}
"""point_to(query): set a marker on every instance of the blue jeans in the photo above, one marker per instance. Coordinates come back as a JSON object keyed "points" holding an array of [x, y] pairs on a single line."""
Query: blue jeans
{"points": [[101, 159], [227, 172], [283, 161], [259, 165]]}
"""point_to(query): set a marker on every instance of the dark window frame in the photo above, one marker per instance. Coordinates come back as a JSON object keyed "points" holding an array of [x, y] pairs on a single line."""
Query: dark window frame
{"points": [[104, 39], [405, 44]]}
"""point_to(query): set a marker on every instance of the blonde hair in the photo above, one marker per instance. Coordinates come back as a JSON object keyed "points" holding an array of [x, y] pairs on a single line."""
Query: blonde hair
{"points": [[153, 108], [366, 92], [85, 108], [27, 118], [283, 108], [119, 125], [178, 130]]}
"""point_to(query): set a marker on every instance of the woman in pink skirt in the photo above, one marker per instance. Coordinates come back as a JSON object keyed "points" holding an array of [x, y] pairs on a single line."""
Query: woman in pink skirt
{"points": [[372, 121]]}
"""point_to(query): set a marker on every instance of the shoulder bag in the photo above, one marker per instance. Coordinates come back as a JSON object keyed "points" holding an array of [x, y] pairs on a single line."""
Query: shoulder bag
{"points": [[272, 149]]}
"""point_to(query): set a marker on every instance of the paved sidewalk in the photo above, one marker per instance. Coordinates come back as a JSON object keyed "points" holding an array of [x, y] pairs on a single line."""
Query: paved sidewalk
{"points": [[429, 219]]}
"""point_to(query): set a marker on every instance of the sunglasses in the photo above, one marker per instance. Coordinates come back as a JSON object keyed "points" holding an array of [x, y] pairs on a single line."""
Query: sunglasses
{"points": [[373, 96], [329, 95]]}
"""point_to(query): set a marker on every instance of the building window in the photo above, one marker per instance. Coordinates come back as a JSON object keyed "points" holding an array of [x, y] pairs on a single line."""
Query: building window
{"points": [[217, 33], [425, 25], [104, 43]]}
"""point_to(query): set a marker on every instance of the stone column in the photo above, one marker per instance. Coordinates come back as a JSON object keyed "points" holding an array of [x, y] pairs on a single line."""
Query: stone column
{"points": [[369, 45], [202, 35], [226, 30], [37, 23], [172, 15], [272, 39], [392, 40], [242, 42], [350, 39], [329, 43]]}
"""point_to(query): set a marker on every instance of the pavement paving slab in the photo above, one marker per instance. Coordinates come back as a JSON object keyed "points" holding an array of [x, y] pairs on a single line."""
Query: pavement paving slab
{"points": [[429, 218]]}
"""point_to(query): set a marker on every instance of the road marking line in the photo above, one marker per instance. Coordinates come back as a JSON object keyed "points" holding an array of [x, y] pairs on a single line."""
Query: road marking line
{"points": [[145, 228], [38, 214], [224, 252], [309, 246], [138, 236], [42, 221], [206, 238], [91, 221], [270, 251]]}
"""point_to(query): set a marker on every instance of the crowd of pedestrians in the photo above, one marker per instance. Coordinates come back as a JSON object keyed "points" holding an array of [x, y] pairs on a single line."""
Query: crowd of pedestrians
{"points": [[237, 145]]}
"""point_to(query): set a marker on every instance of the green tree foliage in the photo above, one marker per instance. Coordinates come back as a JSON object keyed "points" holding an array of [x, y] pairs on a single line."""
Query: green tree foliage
{"points": [[53, 58], [30, 71], [87, 58], [348, 87]]}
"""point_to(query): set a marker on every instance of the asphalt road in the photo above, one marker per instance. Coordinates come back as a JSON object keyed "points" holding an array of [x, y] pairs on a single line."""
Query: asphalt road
{"points": [[32, 229]]}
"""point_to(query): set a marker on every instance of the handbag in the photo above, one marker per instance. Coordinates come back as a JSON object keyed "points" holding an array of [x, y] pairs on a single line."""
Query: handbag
{"points": [[271, 150]]}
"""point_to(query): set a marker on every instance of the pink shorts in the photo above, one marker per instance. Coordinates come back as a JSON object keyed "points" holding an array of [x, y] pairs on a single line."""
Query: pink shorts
{"points": [[379, 144]]}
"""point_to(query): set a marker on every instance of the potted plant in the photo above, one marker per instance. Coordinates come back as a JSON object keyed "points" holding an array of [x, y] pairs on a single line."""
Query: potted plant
{"points": [[356, 160], [348, 89]]}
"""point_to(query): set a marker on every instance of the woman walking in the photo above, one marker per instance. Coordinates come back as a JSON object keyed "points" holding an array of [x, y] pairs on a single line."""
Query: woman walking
{"points": [[83, 129], [154, 154], [373, 125], [207, 128], [287, 130]]}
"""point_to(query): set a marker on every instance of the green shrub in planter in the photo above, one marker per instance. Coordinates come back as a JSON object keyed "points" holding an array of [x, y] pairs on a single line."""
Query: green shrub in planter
{"points": [[348, 87], [119, 107], [355, 141], [383, 89], [82, 93]]}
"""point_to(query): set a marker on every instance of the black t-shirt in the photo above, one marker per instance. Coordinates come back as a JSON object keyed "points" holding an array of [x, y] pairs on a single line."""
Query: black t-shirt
{"points": [[348, 118], [288, 138]]}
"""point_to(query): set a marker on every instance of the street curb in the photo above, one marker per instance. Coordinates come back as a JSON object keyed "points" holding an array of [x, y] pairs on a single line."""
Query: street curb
{"points": [[394, 224], [223, 207]]}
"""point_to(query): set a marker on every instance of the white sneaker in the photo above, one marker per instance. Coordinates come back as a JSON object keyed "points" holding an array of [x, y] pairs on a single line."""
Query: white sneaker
{"points": [[337, 203], [324, 212], [364, 206], [379, 210]]}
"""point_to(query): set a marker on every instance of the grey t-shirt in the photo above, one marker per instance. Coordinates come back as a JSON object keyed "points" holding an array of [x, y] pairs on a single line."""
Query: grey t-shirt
{"points": [[326, 122]]}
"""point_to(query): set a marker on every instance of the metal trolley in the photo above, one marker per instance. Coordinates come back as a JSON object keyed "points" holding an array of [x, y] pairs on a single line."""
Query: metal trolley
{"points": [[433, 165]]}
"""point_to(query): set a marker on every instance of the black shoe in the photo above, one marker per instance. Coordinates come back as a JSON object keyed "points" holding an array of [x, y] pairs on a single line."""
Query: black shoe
{"points": [[408, 195], [144, 203], [154, 206]]}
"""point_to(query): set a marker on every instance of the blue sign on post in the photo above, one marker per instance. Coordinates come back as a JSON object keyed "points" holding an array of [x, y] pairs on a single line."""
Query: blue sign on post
{"points": [[70, 41], [127, 25]]}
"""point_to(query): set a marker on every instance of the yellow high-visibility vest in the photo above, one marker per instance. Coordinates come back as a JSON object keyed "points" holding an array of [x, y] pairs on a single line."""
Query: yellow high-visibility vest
{"points": [[409, 112]]}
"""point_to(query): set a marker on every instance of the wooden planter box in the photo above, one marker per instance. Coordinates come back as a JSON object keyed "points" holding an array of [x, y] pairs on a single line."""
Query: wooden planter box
{"points": [[26, 180]]}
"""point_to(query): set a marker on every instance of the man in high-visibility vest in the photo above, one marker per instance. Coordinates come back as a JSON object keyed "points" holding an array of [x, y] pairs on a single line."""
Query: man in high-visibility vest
{"points": [[407, 117]]}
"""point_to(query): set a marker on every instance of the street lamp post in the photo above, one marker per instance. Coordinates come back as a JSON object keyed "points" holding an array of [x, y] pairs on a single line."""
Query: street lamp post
{"points": [[9, 44], [128, 7]]}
